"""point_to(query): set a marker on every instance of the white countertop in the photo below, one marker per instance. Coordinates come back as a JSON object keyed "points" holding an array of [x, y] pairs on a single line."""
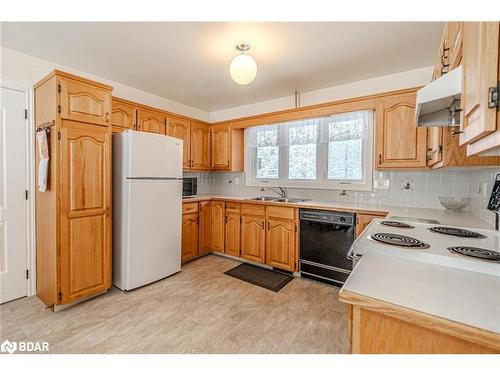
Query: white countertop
{"points": [[458, 295], [446, 217]]}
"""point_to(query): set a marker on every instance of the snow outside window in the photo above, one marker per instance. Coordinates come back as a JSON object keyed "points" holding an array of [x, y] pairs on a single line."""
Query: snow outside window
{"points": [[333, 152]]}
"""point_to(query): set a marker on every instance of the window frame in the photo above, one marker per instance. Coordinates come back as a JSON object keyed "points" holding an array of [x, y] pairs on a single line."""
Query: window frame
{"points": [[321, 181]]}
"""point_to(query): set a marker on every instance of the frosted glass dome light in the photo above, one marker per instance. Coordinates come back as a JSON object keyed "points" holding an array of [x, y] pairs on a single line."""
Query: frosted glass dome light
{"points": [[243, 68]]}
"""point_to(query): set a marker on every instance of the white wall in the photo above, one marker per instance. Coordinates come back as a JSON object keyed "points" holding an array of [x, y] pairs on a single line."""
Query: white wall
{"points": [[403, 80], [18, 67]]}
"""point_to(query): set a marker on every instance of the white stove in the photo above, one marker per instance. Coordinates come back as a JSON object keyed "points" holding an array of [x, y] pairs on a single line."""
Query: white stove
{"points": [[431, 243]]}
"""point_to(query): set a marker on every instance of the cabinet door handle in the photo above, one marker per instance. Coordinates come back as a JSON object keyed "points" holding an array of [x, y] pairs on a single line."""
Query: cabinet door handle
{"points": [[106, 117], [379, 159], [108, 211]]}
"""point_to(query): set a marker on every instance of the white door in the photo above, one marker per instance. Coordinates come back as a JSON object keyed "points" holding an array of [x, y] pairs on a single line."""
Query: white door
{"points": [[13, 221], [154, 236]]}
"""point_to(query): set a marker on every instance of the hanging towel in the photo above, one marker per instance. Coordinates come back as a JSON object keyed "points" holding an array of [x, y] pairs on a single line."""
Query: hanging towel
{"points": [[43, 167]]}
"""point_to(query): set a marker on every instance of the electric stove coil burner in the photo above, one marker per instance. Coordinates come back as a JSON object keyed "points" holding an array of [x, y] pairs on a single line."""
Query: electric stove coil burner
{"points": [[457, 232], [396, 224], [476, 252], [399, 240]]}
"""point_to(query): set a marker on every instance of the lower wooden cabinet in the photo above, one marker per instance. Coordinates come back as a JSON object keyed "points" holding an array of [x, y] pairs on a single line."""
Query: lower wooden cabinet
{"points": [[217, 223], [233, 233], [362, 221], [253, 238], [280, 244], [190, 228], [205, 233]]}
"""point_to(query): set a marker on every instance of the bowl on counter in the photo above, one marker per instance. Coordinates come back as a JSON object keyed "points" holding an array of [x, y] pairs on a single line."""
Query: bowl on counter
{"points": [[454, 203]]}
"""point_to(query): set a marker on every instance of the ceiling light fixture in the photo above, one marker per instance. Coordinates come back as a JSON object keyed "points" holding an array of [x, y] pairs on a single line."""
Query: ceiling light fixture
{"points": [[243, 68]]}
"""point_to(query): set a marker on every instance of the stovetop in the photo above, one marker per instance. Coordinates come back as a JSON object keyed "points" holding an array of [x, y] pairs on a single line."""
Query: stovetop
{"points": [[437, 251]]}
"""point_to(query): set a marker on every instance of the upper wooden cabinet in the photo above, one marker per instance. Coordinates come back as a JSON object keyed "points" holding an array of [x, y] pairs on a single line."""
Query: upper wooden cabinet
{"points": [[84, 101], [151, 121], [200, 146], [399, 143], [123, 115], [480, 73], [226, 148], [453, 32], [181, 128]]}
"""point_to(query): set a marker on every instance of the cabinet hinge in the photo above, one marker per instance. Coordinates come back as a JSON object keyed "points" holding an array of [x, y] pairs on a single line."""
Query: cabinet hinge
{"points": [[26, 194], [58, 135], [59, 108], [59, 296], [25, 114], [493, 97], [27, 274], [59, 88]]}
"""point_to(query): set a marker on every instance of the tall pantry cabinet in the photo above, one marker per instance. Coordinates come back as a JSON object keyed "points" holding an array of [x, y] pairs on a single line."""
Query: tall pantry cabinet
{"points": [[73, 215]]}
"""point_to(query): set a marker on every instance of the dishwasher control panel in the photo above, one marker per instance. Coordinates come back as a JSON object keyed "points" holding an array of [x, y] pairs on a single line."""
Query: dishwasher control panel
{"points": [[333, 217]]}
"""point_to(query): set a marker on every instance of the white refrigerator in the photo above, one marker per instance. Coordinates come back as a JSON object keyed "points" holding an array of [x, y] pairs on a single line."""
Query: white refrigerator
{"points": [[147, 208]]}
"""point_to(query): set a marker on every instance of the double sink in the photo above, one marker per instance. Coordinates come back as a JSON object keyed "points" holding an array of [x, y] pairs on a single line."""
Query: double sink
{"points": [[278, 199]]}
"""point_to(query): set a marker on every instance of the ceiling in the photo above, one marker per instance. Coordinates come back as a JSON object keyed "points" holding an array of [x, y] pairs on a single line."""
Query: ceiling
{"points": [[189, 61]]}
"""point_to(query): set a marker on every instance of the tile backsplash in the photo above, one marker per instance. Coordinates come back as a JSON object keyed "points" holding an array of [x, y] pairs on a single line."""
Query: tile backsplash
{"points": [[395, 188]]}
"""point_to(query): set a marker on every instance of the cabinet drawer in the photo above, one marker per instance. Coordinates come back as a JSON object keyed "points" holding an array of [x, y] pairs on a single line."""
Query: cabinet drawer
{"points": [[233, 207], [281, 212], [253, 209], [188, 208]]}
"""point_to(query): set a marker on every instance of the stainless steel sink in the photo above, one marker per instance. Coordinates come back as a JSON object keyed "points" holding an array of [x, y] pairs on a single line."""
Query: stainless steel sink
{"points": [[263, 199], [276, 199]]}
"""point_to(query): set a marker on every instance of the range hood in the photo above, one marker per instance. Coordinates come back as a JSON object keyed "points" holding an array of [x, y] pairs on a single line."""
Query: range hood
{"points": [[438, 102]]}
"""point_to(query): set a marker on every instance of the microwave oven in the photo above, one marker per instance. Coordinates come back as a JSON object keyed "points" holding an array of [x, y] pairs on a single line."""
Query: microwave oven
{"points": [[189, 187]]}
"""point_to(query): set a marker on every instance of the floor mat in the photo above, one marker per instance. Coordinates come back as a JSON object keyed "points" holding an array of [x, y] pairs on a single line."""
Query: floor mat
{"points": [[262, 277]]}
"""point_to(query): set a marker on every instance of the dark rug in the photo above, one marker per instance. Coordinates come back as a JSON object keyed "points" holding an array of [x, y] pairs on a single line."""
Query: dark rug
{"points": [[262, 277]]}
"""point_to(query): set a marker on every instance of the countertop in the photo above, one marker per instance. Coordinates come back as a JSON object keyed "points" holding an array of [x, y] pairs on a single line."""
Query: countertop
{"points": [[446, 217], [457, 295]]}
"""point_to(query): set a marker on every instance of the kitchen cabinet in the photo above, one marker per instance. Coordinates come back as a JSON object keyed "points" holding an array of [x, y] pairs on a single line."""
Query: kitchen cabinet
{"points": [[480, 123], [181, 128], [84, 101], [399, 143], [200, 146], [253, 245], [123, 115], [280, 243], [151, 121], [434, 146], [233, 233], [226, 148], [73, 215], [453, 32], [205, 234], [217, 222], [379, 327], [362, 221], [190, 240]]}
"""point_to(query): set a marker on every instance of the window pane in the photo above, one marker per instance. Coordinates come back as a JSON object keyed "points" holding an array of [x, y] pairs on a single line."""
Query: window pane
{"points": [[345, 149], [302, 150], [345, 160], [302, 162], [267, 162]]}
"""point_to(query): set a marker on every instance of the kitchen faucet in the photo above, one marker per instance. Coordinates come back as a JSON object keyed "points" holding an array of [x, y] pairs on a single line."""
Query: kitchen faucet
{"points": [[281, 192]]}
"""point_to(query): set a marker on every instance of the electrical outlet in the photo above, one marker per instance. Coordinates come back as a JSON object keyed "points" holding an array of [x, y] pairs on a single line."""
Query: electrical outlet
{"points": [[407, 184]]}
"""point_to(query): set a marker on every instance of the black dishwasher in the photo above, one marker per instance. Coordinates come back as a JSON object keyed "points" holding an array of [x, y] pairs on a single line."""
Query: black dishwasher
{"points": [[325, 239]]}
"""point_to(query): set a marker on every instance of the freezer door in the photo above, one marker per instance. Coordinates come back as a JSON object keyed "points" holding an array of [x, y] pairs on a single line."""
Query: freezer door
{"points": [[153, 155], [154, 238]]}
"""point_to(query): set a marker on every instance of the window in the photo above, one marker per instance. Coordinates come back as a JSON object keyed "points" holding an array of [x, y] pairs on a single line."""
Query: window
{"points": [[332, 152]]}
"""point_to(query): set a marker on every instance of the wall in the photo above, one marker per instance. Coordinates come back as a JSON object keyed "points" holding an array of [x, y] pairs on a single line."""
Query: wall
{"points": [[18, 67], [481, 184], [403, 80]]}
